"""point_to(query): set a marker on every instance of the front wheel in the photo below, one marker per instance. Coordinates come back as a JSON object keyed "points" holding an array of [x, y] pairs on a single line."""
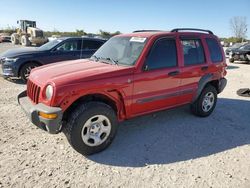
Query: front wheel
{"points": [[25, 41], [231, 60], [91, 127], [206, 102], [25, 70]]}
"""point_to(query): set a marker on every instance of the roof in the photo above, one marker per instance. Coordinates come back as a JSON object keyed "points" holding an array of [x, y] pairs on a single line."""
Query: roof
{"points": [[91, 38], [144, 34], [149, 33]]}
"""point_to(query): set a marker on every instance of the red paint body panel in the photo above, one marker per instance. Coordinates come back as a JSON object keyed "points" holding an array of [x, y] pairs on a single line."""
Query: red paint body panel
{"points": [[134, 91]]}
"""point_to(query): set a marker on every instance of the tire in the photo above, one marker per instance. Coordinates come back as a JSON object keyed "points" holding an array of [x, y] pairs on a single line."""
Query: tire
{"points": [[25, 41], [14, 38], [78, 127], [231, 60], [206, 102], [248, 58], [25, 70]]}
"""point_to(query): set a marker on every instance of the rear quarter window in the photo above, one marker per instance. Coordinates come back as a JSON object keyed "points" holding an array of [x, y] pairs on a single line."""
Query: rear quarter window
{"points": [[214, 50]]}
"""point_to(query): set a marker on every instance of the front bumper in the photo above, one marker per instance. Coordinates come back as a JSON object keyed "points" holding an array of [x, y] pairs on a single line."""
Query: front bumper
{"points": [[222, 84], [53, 126], [6, 71]]}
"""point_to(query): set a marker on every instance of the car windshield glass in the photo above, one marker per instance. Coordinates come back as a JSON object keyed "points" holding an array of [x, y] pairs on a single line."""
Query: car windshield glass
{"points": [[245, 47], [121, 50], [237, 45], [49, 45]]}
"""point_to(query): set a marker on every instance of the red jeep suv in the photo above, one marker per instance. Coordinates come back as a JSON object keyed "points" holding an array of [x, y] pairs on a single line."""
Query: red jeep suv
{"points": [[130, 75]]}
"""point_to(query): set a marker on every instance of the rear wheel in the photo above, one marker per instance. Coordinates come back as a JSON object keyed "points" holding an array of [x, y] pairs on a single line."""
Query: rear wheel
{"points": [[206, 102], [25, 70], [91, 127]]}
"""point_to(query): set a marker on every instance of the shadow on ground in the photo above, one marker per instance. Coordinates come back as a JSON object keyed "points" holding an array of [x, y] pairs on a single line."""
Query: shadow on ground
{"points": [[232, 67], [176, 135], [16, 81]]}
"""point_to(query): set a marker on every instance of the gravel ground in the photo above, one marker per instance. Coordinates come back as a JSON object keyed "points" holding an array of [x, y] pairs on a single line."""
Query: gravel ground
{"points": [[166, 149]]}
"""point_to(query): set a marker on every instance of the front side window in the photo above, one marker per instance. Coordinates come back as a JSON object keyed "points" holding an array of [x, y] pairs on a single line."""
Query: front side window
{"points": [[214, 50], [123, 50], [162, 55], [68, 46], [193, 51]]}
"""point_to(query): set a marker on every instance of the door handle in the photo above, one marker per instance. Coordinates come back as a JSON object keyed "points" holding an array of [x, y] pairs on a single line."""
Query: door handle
{"points": [[173, 73], [204, 68]]}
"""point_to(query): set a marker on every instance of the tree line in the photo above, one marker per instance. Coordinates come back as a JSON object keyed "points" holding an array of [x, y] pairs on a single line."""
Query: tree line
{"points": [[77, 32], [238, 26]]}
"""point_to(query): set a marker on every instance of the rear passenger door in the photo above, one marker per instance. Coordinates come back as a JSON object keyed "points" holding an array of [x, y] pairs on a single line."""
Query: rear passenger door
{"points": [[193, 68], [89, 47]]}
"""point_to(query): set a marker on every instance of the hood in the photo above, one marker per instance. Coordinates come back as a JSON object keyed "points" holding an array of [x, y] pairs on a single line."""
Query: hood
{"points": [[72, 72], [20, 51]]}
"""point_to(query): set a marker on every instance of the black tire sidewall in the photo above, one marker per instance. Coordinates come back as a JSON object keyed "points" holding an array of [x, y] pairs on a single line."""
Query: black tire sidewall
{"points": [[91, 109]]}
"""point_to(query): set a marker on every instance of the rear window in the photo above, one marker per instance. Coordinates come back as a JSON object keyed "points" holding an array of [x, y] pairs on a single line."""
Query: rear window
{"points": [[214, 50]]}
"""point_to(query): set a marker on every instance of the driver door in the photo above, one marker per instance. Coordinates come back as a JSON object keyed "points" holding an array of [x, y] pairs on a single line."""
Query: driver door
{"points": [[68, 50], [157, 86]]}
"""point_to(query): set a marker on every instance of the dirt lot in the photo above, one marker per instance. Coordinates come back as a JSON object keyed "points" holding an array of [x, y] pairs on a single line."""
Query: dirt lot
{"points": [[166, 149]]}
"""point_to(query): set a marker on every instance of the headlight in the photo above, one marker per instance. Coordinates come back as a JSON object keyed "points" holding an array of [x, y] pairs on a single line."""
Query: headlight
{"points": [[10, 59], [49, 92]]}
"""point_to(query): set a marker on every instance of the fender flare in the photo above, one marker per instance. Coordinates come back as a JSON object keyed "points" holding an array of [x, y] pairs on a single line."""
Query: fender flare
{"points": [[201, 84]]}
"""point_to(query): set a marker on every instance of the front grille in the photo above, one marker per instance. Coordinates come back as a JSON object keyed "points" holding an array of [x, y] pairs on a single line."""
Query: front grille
{"points": [[33, 91]]}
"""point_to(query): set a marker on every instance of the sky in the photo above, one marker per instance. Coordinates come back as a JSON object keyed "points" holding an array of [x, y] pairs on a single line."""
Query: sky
{"points": [[127, 15]]}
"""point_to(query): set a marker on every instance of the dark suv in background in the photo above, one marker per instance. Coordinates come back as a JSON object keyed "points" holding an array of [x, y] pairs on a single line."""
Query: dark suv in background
{"points": [[240, 54], [19, 62]]}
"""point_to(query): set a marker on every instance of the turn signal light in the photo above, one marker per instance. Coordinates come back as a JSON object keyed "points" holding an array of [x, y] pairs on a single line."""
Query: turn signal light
{"points": [[47, 116]]}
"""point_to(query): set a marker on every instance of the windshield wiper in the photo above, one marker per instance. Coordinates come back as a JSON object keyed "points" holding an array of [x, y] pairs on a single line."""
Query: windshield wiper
{"points": [[115, 62], [95, 57]]}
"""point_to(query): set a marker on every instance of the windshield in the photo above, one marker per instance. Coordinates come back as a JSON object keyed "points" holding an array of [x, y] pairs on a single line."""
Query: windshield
{"points": [[121, 50], [236, 45], [245, 47], [49, 45]]}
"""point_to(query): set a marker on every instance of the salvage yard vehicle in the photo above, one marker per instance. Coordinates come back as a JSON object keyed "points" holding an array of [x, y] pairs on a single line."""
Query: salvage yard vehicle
{"points": [[233, 47], [5, 38], [130, 75], [240, 54], [28, 34], [19, 62]]}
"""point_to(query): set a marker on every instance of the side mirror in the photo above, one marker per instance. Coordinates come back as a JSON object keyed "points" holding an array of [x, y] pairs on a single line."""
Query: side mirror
{"points": [[145, 67]]}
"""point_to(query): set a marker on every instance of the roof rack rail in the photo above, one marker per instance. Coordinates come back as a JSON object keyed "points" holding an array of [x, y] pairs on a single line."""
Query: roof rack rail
{"points": [[191, 29], [137, 31]]}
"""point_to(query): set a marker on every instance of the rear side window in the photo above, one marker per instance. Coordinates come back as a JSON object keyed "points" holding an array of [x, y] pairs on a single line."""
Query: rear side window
{"points": [[214, 50], [162, 55], [91, 44], [193, 51]]}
